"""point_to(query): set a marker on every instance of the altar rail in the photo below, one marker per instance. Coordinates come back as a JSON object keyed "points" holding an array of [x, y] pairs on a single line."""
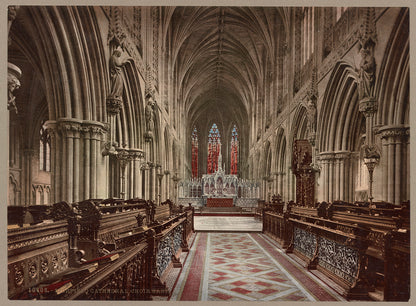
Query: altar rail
{"points": [[98, 249], [364, 248]]}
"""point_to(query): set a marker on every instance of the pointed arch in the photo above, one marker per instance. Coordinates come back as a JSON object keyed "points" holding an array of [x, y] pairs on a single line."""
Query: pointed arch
{"points": [[392, 85], [339, 121]]}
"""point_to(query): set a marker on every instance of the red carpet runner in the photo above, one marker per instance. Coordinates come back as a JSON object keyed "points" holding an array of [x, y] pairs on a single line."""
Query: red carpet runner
{"points": [[244, 267]]}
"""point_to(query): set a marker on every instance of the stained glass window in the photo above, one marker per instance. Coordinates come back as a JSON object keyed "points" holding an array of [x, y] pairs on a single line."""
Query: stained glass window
{"points": [[195, 153], [234, 151], [214, 148]]}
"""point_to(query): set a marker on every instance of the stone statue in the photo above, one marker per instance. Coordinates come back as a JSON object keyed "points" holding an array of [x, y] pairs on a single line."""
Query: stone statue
{"points": [[366, 74], [311, 115], [150, 115], [13, 83], [117, 60]]}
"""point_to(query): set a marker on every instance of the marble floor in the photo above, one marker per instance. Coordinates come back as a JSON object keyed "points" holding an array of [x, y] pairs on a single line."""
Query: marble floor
{"points": [[227, 224]]}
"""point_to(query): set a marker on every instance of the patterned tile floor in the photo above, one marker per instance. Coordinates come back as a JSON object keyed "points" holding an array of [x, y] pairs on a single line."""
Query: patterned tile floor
{"points": [[235, 224], [244, 267]]}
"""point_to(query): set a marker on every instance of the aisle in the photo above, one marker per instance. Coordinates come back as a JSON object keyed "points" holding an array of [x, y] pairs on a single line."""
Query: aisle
{"points": [[244, 267], [226, 224]]}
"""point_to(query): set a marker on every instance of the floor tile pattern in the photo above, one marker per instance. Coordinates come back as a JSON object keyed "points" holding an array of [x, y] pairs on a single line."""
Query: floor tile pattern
{"points": [[241, 271], [233, 266], [235, 224]]}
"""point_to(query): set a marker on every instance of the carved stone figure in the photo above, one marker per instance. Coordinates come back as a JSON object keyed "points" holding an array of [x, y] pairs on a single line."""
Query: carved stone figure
{"points": [[311, 115], [150, 115], [117, 61], [366, 74], [13, 83]]}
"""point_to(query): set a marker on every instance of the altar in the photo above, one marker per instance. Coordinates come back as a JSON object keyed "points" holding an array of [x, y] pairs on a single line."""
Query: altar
{"points": [[219, 190], [220, 202]]}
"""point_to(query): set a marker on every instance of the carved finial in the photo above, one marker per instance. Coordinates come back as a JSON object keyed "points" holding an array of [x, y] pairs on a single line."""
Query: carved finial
{"points": [[313, 88], [368, 35]]}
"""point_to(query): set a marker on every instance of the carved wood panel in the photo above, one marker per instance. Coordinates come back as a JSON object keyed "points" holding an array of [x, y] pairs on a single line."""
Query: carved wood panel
{"points": [[305, 176]]}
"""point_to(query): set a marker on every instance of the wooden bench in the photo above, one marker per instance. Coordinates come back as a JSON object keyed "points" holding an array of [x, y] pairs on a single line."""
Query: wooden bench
{"points": [[160, 213], [259, 209]]}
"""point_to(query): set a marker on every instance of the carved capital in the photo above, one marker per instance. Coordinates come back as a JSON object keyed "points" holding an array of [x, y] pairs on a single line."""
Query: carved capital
{"points": [[92, 129], [136, 154], [51, 128], [69, 128], [393, 133], [327, 156], [124, 157], [114, 105], [342, 155], [368, 106]]}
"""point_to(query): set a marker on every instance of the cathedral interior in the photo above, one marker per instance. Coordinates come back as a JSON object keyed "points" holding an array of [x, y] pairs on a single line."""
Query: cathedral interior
{"points": [[212, 153]]}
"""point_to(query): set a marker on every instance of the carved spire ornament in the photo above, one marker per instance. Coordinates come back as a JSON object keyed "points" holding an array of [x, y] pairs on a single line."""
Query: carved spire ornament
{"points": [[311, 102]]}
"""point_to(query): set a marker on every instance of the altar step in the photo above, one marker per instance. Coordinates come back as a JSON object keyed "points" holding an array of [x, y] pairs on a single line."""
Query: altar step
{"points": [[228, 211]]}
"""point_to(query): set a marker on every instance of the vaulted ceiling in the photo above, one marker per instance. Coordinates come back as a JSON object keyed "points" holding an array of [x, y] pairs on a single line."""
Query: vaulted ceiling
{"points": [[222, 58]]}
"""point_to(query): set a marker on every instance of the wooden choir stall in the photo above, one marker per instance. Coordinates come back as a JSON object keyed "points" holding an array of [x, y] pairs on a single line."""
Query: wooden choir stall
{"points": [[362, 249], [97, 250]]}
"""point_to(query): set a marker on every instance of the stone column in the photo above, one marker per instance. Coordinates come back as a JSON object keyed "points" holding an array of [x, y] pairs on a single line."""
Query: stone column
{"points": [[93, 170], [137, 177], [125, 157], [114, 106], [342, 175], [56, 166], [86, 135], [144, 167], [324, 184], [153, 182], [160, 176], [176, 179], [69, 129], [336, 186], [276, 182], [385, 166], [395, 139], [327, 160], [76, 174], [27, 177], [167, 184], [96, 176], [137, 156]]}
